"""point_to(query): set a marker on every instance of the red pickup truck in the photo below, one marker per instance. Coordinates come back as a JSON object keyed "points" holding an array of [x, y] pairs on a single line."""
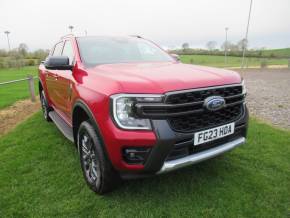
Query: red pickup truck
{"points": [[133, 110]]}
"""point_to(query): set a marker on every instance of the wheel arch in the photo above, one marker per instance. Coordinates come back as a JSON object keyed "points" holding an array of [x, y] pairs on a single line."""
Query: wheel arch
{"points": [[80, 113]]}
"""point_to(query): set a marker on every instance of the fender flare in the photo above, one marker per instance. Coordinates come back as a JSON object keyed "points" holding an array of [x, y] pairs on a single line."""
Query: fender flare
{"points": [[85, 107]]}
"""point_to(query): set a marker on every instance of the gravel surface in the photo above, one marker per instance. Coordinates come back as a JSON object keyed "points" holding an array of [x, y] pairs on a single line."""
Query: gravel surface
{"points": [[269, 95], [16, 113]]}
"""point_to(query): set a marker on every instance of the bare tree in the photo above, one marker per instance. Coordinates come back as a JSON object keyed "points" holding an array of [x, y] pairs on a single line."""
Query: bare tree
{"points": [[226, 44], [185, 46], [230, 46], [23, 49], [40, 54], [233, 47], [211, 45], [242, 44]]}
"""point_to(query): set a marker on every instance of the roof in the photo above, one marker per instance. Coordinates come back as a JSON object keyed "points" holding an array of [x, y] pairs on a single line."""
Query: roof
{"points": [[73, 35]]}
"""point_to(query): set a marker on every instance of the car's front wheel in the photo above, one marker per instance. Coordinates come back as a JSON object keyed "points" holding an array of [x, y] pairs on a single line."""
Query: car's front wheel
{"points": [[98, 172]]}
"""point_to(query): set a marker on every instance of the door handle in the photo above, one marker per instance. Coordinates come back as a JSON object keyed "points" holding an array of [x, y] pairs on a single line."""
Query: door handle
{"points": [[55, 76]]}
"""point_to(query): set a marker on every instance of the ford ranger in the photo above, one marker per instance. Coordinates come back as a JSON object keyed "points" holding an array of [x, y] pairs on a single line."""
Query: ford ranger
{"points": [[133, 110]]}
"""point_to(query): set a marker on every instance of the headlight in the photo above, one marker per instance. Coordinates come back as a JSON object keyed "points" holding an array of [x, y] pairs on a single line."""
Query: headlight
{"points": [[244, 87], [124, 113]]}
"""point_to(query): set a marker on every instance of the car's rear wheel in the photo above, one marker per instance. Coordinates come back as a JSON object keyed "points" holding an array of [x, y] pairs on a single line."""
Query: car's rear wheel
{"points": [[45, 107], [98, 172]]}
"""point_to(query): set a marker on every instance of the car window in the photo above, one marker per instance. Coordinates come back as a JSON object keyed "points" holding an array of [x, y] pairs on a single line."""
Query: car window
{"points": [[148, 51], [102, 50], [57, 49], [68, 51]]}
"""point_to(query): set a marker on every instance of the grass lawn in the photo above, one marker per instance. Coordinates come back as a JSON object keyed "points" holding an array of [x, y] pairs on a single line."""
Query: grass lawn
{"points": [[219, 61], [282, 52], [11, 93], [41, 176]]}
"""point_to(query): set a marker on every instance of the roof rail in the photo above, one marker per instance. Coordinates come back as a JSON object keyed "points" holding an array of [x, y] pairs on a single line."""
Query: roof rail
{"points": [[67, 35], [137, 36]]}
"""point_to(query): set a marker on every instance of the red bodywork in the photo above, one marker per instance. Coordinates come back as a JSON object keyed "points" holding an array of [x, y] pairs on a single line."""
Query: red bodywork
{"points": [[94, 86]]}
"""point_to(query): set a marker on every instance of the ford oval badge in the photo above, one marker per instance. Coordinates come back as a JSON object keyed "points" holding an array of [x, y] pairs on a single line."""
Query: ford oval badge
{"points": [[214, 103]]}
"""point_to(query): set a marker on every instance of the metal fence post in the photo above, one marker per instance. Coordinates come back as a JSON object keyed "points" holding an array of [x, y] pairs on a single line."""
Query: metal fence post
{"points": [[31, 87]]}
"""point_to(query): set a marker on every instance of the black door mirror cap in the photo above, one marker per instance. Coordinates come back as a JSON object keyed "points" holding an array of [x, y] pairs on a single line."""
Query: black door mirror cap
{"points": [[58, 63]]}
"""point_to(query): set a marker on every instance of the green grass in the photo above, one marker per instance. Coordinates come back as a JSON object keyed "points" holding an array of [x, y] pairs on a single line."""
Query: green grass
{"points": [[17, 73], [11, 93], [219, 61], [283, 52], [41, 176]]}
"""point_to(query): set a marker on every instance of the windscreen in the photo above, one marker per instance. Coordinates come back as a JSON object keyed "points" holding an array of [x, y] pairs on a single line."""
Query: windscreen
{"points": [[106, 50]]}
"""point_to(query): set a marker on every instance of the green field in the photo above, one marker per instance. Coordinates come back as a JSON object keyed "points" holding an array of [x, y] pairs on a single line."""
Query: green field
{"points": [[283, 52], [41, 177], [219, 61], [11, 93]]}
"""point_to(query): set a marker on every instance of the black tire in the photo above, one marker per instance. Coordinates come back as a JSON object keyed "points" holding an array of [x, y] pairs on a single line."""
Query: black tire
{"points": [[45, 107], [97, 169]]}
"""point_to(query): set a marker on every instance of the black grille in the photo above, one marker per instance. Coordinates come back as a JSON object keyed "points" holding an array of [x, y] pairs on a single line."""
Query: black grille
{"points": [[193, 96], [204, 118], [185, 110], [207, 119]]}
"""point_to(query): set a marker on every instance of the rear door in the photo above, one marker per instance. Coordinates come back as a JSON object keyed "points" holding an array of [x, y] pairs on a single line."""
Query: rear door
{"points": [[52, 77]]}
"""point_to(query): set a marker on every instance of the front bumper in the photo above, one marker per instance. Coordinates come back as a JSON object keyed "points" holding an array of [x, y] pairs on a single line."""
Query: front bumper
{"points": [[167, 140], [201, 156]]}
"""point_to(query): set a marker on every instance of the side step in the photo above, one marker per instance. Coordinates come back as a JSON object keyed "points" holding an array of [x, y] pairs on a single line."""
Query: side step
{"points": [[62, 125]]}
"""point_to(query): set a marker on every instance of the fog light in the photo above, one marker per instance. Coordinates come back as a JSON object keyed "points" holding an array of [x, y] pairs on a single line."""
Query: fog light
{"points": [[135, 155]]}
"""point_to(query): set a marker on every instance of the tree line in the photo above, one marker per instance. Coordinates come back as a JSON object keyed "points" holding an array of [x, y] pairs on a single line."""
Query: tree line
{"points": [[233, 49], [21, 56]]}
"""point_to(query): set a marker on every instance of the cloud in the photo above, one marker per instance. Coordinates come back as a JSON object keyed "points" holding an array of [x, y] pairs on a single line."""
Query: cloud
{"points": [[169, 22]]}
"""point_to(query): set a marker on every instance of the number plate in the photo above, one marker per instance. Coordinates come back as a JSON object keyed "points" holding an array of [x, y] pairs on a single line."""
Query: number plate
{"points": [[213, 134]]}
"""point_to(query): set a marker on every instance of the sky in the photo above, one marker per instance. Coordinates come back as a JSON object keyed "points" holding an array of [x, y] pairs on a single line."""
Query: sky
{"points": [[169, 23]]}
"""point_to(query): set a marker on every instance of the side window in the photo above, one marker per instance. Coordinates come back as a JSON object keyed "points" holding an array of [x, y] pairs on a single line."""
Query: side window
{"points": [[57, 49], [68, 51]]}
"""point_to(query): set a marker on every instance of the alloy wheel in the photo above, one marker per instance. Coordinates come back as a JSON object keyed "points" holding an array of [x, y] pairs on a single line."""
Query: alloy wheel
{"points": [[89, 159]]}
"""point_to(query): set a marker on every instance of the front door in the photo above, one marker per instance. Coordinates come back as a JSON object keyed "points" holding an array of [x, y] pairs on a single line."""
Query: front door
{"points": [[63, 89], [51, 76]]}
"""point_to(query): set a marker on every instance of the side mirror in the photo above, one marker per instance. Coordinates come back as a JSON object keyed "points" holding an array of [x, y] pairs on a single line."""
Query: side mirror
{"points": [[176, 57], [57, 63]]}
